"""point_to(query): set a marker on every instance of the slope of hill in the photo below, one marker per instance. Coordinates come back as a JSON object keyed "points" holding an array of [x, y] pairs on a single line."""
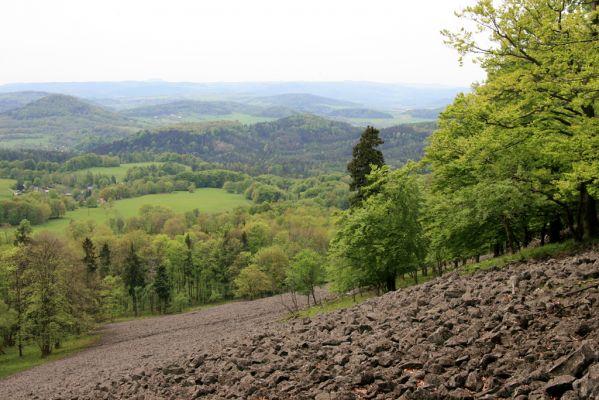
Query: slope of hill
{"points": [[58, 105], [59, 121], [526, 331], [296, 143], [10, 101]]}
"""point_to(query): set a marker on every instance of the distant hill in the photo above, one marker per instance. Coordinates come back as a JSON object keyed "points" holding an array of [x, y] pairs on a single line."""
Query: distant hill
{"points": [[362, 113], [58, 105], [302, 101], [269, 107], [11, 101], [319, 105], [59, 121], [193, 108], [295, 144], [368, 94]]}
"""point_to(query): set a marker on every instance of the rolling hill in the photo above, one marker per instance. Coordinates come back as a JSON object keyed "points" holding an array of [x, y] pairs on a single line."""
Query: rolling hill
{"points": [[60, 121], [11, 101]]}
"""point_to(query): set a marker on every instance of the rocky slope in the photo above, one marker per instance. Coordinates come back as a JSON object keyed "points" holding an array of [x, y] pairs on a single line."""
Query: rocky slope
{"points": [[527, 331]]}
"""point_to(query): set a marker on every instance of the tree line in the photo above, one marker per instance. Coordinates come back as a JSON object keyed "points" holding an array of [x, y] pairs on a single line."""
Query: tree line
{"points": [[53, 287]]}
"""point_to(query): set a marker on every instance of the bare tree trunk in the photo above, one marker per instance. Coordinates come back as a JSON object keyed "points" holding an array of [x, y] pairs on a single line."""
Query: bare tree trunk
{"points": [[587, 214], [543, 235], [509, 233]]}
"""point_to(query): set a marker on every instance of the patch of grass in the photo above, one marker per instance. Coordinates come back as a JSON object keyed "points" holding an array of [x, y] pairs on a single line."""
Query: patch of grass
{"points": [[343, 302], [24, 141], [550, 250], [147, 314], [6, 190], [207, 200], [409, 280], [239, 117], [10, 363], [339, 303]]}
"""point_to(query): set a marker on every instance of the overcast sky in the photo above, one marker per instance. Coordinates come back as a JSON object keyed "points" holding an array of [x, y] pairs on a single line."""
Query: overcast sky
{"points": [[230, 40]]}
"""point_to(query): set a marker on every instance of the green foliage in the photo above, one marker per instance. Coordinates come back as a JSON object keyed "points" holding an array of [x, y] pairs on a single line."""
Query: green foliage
{"points": [[23, 233], [518, 156], [383, 237], [47, 312], [258, 235], [306, 273], [273, 262], [252, 282]]}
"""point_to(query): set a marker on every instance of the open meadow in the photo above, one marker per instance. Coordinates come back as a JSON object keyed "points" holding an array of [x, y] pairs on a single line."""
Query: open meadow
{"points": [[118, 172], [6, 190], [207, 200]]}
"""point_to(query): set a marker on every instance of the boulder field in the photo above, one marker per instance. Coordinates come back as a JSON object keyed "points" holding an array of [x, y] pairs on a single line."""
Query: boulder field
{"points": [[525, 331]]}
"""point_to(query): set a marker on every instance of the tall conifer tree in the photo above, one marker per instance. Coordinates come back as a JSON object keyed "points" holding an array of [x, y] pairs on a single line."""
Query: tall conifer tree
{"points": [[364, 154]]}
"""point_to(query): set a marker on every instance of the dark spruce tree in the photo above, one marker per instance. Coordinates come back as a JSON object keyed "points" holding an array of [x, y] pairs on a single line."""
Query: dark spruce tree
{"points": [[90, 256], [188, 266], [134, 276], [162, 287], [364, 154], [105, 260]]}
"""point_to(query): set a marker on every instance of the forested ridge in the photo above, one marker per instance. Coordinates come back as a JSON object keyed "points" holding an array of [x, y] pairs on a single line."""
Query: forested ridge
{"points": [[298, 144]]}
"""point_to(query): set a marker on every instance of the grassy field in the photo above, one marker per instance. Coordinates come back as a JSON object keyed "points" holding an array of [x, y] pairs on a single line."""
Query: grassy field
{"points": [[399, 117], [207, 200], [10, 363], [118, 172], [241, 118], [26, 141], [5, 188]]}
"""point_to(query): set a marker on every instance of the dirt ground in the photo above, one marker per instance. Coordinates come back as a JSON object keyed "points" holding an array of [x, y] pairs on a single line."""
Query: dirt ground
{"points": [[145, 343]]}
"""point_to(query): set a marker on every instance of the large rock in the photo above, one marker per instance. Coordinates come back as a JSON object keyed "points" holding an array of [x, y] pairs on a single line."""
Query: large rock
{"points": [[576, 362], [558, 385], [588, 386]]}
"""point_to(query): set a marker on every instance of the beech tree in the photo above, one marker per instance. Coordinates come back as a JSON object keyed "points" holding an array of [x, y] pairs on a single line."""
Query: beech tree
{"points": [[47, 317], [306, 273], [533, 122], [383, 237]]}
